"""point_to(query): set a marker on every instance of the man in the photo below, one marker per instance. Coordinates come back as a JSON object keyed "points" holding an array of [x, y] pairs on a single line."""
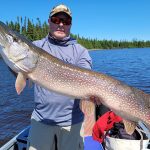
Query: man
{"points": [[56, 120]]}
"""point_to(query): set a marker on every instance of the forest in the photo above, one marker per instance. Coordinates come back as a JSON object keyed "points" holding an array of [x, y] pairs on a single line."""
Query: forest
{"points": [[35, 30]]}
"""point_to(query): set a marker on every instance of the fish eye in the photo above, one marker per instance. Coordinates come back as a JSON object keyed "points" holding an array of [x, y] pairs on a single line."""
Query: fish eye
{"points": [[13, 36], [15, 39]]}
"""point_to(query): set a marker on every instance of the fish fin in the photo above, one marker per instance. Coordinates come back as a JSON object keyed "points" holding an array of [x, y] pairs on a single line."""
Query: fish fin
{"points": [[20, 83], [129, 126]]}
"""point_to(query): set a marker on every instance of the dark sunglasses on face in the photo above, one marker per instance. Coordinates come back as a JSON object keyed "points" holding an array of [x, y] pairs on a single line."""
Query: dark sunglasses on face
{"points": [[57, 20]]}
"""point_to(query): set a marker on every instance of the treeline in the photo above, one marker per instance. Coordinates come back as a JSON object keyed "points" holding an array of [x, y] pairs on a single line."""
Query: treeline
{"points": [[37, 30], [28, 28]]}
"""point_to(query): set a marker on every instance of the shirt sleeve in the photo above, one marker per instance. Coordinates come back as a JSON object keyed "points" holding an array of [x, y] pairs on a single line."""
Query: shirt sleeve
{"points": [[84, 59]]}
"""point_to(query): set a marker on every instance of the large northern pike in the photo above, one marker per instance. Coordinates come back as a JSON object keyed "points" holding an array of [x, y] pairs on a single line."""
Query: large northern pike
{"points": [[31, 62]]}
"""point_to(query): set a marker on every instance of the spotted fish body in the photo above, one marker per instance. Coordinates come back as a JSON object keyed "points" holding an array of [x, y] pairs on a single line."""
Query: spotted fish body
{"points": [[53, 74]]}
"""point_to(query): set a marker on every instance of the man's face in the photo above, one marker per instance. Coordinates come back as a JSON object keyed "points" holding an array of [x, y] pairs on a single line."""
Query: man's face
{"points": [[60, 25]]}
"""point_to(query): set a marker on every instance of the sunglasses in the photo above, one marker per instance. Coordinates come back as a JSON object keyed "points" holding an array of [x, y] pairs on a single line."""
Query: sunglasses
{"points": [[57, 20]]}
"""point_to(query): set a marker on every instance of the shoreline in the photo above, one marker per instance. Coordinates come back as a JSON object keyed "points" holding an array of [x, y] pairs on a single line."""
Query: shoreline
{"points": [[117, 48]]}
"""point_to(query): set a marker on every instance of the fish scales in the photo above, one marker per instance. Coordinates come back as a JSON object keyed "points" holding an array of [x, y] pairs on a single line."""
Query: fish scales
{"points": [[77, 82]]}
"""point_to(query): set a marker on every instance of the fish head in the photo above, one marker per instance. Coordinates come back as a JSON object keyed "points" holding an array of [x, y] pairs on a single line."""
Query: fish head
{"points": [[16, 51]]}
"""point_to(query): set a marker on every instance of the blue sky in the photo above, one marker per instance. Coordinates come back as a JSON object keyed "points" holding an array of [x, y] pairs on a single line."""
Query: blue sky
{"points": [[101, 19]]}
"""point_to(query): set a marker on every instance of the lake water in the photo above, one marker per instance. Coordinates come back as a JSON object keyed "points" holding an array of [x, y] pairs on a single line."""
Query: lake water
{"points": [[131, 66]]}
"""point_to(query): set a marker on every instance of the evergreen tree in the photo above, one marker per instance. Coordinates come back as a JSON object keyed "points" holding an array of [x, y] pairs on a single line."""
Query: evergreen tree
{"points": [[30, 29], [17, 25], [24, 27], [45, 29]]}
